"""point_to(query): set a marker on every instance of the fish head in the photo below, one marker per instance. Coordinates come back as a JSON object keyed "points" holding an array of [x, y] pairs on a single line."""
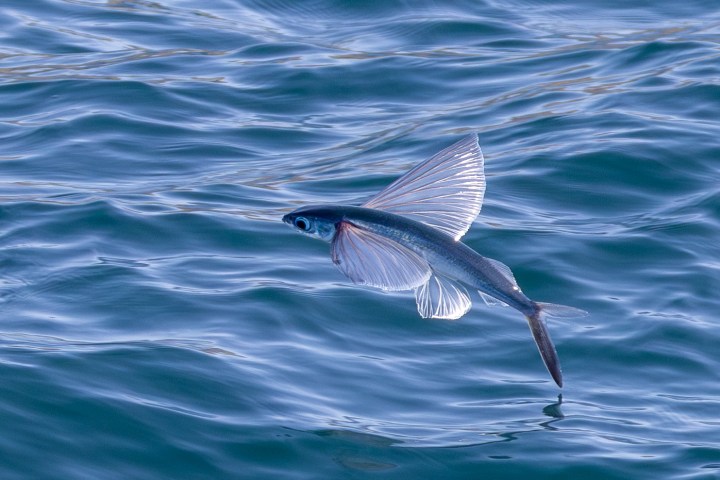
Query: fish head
{"points": [[315, 220]]}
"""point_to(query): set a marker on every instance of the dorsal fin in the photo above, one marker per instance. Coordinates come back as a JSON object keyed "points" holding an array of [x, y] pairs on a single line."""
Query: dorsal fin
{"points": [[505, 271], [444, 192]]}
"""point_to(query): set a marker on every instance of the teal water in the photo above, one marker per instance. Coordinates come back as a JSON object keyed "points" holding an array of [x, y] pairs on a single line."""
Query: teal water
{"points": [[159, 321]]}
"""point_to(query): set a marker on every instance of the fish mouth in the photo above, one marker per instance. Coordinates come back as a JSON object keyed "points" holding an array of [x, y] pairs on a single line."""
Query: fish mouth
{"points": [[286, 219]]}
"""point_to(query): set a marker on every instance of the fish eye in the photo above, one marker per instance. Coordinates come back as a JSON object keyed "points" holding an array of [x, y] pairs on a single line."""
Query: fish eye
{"points": [[302, 223]]}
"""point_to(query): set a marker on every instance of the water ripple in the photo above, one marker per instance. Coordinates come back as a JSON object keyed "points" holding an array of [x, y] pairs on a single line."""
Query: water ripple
{"points": [[160, 319]]}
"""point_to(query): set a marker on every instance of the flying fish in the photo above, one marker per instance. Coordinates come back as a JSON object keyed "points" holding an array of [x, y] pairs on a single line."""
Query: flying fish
{"points": [[407, 237]]}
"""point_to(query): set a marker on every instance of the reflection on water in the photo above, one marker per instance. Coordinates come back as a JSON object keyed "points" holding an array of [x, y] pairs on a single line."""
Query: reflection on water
{"points": [[553, 410], [385, 434]]}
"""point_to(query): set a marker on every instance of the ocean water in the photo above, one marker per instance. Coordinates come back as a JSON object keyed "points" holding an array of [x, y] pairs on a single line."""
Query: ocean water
{"points": [[158, 320]]}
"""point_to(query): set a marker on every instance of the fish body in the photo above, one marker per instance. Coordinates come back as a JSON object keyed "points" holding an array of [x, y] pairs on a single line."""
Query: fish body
{"points": [[446, 256], [407, 237]]}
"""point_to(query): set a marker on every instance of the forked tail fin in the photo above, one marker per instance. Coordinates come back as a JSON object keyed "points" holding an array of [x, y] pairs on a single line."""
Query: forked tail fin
{"points": [[542, 336]]}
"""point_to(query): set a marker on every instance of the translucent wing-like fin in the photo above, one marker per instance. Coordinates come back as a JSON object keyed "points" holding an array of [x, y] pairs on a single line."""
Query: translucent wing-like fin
{"points": [[367, 258], [445, 191], [491, 301], [441, 297]]}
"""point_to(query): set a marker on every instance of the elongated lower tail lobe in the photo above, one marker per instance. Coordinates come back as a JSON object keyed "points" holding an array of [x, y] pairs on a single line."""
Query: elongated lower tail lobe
{"points": [[545, 345], [542, 336]]}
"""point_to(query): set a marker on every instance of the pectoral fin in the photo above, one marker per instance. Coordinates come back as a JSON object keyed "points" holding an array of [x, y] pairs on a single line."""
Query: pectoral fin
{"points": [[367, 258], [441, 297], [444, 192]]}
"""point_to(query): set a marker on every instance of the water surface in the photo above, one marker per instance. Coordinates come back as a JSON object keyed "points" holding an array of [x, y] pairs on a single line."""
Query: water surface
{"points": [[159, 321]]}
